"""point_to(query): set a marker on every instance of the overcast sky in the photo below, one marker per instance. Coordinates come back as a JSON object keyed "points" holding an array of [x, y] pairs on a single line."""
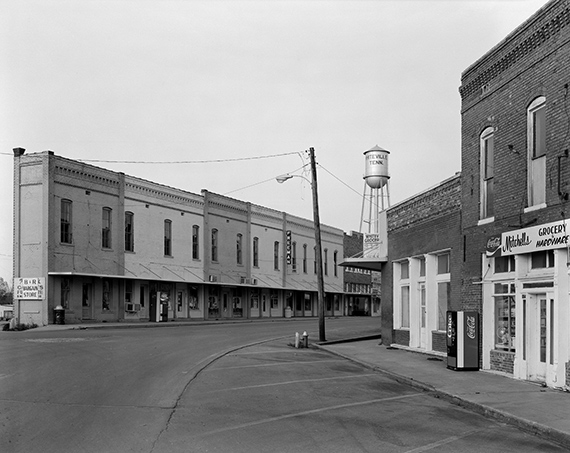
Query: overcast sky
{"points": [[164, 80]]}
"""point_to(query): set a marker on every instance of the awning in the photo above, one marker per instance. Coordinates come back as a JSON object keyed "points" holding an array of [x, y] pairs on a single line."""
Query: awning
{"points": [[371, 264]]}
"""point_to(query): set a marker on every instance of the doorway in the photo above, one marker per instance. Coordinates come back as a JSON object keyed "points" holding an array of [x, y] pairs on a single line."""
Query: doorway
{"points": [[538, 334], [87, 302], [423, 316]]}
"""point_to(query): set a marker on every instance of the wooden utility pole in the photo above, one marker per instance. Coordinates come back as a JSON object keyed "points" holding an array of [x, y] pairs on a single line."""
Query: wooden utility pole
{"points": [[319, 249]]}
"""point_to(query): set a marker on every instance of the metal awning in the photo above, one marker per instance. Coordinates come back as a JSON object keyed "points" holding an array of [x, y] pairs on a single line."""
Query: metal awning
{"points": [[371, 264]]}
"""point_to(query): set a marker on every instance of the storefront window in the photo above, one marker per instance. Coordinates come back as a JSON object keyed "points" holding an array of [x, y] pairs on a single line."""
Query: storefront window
{"points": [[504, 264], [443, 292], [505, 321], [405, 304], [274, 299], [542, 259]]}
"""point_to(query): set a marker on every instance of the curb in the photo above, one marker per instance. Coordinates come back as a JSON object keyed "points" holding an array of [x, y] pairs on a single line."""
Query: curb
{"points": [[545, 432]]}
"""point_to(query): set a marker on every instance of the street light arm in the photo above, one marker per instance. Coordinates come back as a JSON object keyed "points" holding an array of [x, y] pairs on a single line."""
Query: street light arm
{"points": [[282, 178]]}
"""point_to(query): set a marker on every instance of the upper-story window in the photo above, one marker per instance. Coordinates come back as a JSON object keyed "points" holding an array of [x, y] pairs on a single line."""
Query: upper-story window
{"points": [[168, 237], [276, 255], [239, 252], [335, 263], [65, 223], [195, 242], [326, 261], [255, 252], [294, 256], [304, 258], [315, 261], [106, 228], [129, 232], [214, 245], [487, 144], [536, 145]]}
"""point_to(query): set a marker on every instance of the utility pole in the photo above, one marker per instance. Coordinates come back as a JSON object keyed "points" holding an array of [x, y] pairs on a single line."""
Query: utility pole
{"points": [[319, 249]]}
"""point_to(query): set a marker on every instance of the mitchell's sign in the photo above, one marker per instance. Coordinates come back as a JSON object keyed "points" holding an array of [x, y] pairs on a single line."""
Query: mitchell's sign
{"points": [[541, 237]]}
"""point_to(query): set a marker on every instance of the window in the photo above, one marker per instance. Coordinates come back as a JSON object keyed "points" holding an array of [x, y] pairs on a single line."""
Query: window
{"points": [[443, 296], [422, 261], [315, 262], [106, 295], [304, 258], [256, 252], [195, 242], [276, 255], [129, 232], [239, 257], [106, 228], [405, 306], [505, 320], [542, 259], [536, 144], [326, 263], [65, 292], [294, 256], [65, 223], [335, 263], [487, 144], [128, 291], [168, 237], [214, 245], [404, 270], [274, 298], [443, 264], [504, 264]]}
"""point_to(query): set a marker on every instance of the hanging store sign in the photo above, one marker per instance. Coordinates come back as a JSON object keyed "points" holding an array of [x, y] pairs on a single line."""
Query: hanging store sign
{"points": [[30, 288], [541, 237], [288, 246]]}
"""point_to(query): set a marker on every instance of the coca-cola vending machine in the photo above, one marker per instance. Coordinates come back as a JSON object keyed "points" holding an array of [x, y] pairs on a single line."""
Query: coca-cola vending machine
{"points": [[462, 340]]}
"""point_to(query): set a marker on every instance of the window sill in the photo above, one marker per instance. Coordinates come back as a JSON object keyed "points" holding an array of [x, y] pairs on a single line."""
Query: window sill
{"points": [[535, 207], [486, 221]]}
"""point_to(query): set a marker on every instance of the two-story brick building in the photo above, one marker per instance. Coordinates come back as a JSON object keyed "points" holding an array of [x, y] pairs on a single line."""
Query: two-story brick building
{"points": [[515, 203], [107, 246]]}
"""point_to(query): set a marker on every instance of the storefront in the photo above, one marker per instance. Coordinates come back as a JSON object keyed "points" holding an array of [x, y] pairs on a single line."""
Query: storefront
{"points": [[525, 304]]}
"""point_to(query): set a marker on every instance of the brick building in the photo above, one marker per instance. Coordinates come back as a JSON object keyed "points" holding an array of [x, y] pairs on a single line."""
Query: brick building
{"points": [[421, 279], [111, 247], [515, 204]]}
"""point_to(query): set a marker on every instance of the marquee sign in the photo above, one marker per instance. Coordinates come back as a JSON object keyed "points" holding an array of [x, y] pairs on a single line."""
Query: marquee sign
{"points": [[533, 239]]}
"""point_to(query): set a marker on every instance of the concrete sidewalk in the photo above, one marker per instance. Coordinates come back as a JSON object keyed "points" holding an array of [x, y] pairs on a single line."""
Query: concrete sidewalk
{"points": [[542, 411]]}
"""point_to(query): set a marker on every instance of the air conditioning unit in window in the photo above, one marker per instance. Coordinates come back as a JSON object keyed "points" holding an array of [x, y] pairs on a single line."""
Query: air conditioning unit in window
{"points": [[129, 307], [137, 307], [213, 278], [254, 281], [245, 280]]}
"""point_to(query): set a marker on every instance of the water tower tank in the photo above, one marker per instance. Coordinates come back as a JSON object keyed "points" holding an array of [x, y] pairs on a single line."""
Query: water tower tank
{"points": [[376, 170]]}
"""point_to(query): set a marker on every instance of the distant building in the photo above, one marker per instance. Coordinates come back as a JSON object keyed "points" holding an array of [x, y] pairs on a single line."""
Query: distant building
{"points": [[515, 104], [362, 291], [106, 246]]}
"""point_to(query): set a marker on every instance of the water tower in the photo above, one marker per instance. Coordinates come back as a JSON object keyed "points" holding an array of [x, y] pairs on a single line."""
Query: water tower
{"points": [[376, 195]]}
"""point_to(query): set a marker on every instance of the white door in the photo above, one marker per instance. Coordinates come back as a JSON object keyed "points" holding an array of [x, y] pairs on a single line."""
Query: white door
{"points": [[538, 348], [423, 316]]}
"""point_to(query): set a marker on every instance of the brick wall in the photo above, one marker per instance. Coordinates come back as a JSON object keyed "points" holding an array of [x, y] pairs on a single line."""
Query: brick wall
{"points": [[567, 374], [532, 61], [502, 361], [439, 342], [401, 337]]}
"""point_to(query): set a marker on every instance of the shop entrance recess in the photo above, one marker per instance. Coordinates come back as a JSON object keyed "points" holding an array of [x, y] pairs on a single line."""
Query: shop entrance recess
{"points": [[538, 334]]}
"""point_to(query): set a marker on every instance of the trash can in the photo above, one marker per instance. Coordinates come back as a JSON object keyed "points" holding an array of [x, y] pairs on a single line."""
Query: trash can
{"points": [[288, 312], [59, 315]]}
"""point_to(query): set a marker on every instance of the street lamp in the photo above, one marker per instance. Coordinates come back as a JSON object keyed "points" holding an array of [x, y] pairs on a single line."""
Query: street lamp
{"points": [[320, 282]]}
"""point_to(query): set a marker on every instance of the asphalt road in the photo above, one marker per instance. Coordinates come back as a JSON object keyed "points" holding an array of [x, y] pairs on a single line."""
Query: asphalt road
{"points": [[221, 388]]}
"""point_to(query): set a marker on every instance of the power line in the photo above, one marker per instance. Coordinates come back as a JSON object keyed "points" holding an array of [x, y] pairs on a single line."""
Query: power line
{"points": [[262, 182], [235, 159]]}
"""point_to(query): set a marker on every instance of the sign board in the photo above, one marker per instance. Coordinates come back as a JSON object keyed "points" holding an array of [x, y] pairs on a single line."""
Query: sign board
{"points": [[533, 239], [32, 288], [375, 245], [288, 246]]}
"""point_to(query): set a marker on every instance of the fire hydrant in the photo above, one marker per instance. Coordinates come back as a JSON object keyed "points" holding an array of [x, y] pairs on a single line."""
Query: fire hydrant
{"points": [[305, 339]]}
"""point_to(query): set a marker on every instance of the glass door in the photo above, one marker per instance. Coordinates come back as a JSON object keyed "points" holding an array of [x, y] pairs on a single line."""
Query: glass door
{"points": [[86, 302], [539, 335], [423, 316]]}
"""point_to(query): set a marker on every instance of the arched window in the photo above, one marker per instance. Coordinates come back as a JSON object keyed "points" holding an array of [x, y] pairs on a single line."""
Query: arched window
{"points": [[536, 145], [487, 147], [129, 232], [239, 257], [195, 242], [214, 245], [168, 237]]}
